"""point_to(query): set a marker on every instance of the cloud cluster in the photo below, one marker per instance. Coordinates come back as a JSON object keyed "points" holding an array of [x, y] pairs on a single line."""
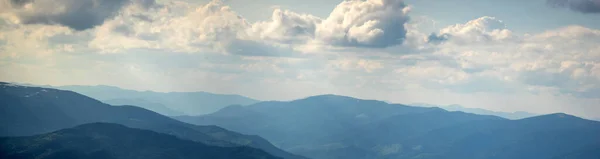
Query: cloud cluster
{"points": [[352, 23], [75, 14], [369, 23], [484, 29], [21, 41], [214, 27], [565, 59], [287, 27], [176, 27], [583, 6]]}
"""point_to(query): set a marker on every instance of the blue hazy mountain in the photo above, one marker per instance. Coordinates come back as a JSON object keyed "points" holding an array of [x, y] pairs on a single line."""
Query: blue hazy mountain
{"points": [[547, 136], [330, 126], [336, 127], [507, 115], [173, 103], [113, 141], [34, 110], [141, 102]]}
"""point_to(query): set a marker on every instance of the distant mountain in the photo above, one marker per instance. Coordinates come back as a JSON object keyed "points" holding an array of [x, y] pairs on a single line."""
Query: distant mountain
{"points": [[173, 103], [153, 106], [544, 137], [113, 141], [338, 127], [507, 115], [332, 126], [33, 110]]}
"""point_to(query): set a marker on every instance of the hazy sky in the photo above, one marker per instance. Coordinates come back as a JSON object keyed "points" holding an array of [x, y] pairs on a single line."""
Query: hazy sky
{"points": [[541, 56]]}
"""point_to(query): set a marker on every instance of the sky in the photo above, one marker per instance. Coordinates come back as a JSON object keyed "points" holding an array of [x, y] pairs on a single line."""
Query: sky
{"points": [[540, 56]]}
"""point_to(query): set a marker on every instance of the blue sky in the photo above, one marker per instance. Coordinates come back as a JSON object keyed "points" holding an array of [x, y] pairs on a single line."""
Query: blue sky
{"points": [[540, 56]]}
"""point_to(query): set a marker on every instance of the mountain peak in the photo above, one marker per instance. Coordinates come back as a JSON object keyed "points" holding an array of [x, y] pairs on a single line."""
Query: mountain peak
{"points": [[555, 116], [329, 97], [561, 115]]}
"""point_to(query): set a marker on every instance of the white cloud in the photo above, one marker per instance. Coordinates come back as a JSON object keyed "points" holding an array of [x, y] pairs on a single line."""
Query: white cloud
{"points": [[173, 26], [287, 27], [214, 27], [22, 41], [176, 27], [563, 59], [369, 23], [484, 29]]}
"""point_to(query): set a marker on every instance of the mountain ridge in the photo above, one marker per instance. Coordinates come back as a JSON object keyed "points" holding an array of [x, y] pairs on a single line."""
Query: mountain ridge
{"points": [[314, 115], [454, 107], [106, 140], [339, 127], [177, 103], [35, 110]]}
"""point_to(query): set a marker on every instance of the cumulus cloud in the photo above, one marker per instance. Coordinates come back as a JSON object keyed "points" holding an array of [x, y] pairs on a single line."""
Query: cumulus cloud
{"points": [[352, 23], [21, 41], [214, 27], [365, 23], [484, 29], [287, 27], [574, 62], [174, 26], [209, 28], [583, 6], [75, 14], [564, 59]]}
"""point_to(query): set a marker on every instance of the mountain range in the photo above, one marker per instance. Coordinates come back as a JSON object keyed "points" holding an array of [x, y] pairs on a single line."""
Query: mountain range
{"points": [[336, 127], [29, 111], [507, 115], [114, 141], [40, 122], [166, 103]]}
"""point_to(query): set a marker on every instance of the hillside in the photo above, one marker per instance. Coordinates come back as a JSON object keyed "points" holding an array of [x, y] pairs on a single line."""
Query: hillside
{"points": [[330, 127], [113, 141], [33, 110], [173, 103]]}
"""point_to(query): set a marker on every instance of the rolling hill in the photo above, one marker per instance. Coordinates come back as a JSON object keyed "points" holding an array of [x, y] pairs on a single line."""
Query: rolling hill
{"points": [[330, 127], [113, 141], [33, 110], [508, 115], [166, 103]]}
